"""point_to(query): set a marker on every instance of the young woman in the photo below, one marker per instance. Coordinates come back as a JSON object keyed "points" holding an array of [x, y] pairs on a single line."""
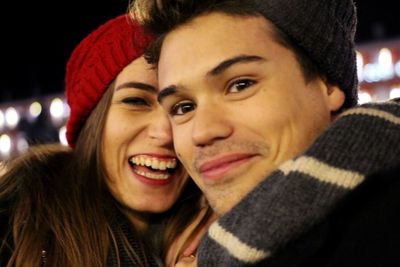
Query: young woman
{"points": [[93, 204]]}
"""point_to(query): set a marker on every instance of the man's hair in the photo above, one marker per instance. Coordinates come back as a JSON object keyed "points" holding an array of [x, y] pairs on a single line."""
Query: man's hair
{"points": [[320, 33]]}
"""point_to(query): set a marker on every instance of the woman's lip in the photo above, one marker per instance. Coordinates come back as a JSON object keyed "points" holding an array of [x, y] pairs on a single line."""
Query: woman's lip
{"points": [[217, 167]]}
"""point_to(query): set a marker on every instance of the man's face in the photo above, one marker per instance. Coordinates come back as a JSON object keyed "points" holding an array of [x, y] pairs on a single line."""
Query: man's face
{"points": [[238, 103]]}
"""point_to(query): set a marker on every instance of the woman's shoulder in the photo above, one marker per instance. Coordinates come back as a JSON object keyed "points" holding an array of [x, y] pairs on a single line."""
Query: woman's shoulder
{"points": [[37, 174], [39, 161], [41, 155], [21, 176]]}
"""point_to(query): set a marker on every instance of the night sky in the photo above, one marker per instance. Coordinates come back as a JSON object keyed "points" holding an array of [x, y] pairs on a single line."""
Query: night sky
{"points": [[38, 39]]}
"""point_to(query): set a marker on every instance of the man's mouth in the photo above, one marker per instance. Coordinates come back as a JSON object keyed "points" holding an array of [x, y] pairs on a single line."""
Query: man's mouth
{"points": [[217, 167]]}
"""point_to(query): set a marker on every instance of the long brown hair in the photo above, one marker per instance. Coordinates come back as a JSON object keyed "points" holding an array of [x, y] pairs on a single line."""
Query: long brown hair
{"points": [[181, 215], [60, 209]]}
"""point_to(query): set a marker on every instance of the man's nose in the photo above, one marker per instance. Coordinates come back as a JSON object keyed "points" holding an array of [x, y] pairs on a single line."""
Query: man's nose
{"points": [[211, 123]]}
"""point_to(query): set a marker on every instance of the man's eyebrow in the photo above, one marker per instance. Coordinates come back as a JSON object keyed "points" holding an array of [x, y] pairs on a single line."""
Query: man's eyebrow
{"points": [[167, 91], [137, 85], [173, 89], [231, 61]]}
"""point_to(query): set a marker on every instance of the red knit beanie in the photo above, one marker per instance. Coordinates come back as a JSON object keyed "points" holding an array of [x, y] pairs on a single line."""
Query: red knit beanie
{"points": [[95, 63]]}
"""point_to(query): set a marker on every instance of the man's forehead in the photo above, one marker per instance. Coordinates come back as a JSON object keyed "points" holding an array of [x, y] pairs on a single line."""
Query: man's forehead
{"points": [[196, 46], [215, 30]]}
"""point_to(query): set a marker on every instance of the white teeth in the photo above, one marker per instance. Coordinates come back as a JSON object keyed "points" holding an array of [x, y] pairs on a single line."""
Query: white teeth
{"points": [[171, 165], [155, 163], [162, 166], [154, 176], [148, 162]]}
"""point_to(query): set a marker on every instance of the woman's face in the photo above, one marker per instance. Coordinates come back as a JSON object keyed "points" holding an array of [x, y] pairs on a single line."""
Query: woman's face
{"points": [[143, 172]]}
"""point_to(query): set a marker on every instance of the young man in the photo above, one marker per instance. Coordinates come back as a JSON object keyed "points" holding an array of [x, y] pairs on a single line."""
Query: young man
{"points": [[249, 87]]}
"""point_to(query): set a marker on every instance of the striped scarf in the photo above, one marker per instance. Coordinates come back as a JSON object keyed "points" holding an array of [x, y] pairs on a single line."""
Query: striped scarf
{"points": [[302, 191]]}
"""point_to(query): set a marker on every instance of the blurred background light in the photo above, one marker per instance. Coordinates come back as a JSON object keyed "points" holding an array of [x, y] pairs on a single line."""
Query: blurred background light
{"points": [[35, 109], [360, 65], [22, 145], [2, 120], [5, 144], [57, 108], [62, 136], [394, 93], [12, 117], [364, 97]]}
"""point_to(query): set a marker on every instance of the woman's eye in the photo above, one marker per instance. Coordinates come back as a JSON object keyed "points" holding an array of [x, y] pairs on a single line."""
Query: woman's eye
{"points": [[240, 85], [137, 101], [182, 108]]}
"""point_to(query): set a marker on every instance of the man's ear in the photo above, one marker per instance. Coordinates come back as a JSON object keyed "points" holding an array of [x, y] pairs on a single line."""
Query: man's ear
{"points": [[335, 97]]}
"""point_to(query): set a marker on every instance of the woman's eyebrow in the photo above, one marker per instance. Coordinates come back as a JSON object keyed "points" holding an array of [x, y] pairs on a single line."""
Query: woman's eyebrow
{"points": [[137, 85]]}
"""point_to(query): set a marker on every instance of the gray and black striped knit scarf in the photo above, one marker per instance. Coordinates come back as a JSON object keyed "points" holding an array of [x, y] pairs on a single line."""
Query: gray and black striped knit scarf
{"points": [[297, 196]]}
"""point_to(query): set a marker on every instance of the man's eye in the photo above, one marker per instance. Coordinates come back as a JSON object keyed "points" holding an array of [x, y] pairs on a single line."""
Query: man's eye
{"points": [[136, 101], [182, 108], [240, 85]]}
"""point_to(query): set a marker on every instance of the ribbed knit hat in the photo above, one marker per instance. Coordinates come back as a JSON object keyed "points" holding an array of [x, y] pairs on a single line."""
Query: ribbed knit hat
{"points": [[95, 63], [325, 29]]}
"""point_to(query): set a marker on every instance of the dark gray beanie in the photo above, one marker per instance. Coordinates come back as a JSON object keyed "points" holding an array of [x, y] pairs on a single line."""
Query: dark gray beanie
{"points": [[325, 29]]}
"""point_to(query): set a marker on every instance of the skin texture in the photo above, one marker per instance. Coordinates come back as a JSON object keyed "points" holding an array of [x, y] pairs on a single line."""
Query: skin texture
{"points": [[238, 108], [137, 127]]}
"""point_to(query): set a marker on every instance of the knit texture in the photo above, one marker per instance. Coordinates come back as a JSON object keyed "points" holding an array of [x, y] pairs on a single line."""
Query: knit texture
{"points": [[325, 29], [303, 191], [95, 63]]}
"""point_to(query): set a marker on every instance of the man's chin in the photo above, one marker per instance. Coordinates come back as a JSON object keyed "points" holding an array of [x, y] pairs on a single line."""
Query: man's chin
{"points": [[224, 203]]}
